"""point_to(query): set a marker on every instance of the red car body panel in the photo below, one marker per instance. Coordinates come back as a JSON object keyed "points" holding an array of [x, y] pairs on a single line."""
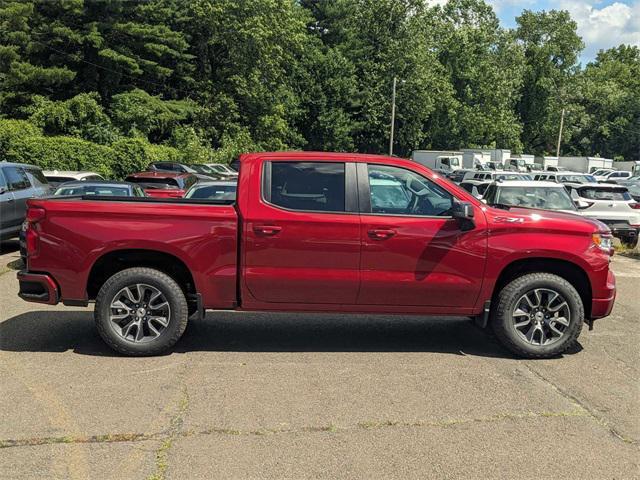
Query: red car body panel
{"points": [[309, 261]]}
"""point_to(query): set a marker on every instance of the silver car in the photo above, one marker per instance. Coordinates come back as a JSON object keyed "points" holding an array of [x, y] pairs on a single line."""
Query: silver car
{"points": [[18, 183], [611, 204]]}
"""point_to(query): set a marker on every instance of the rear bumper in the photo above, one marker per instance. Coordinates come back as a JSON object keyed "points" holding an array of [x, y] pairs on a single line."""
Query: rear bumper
{"points": [[38, 288], [602, 306]]}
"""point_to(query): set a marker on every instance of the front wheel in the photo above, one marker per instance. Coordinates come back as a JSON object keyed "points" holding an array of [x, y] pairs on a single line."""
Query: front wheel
{"points": [[538, 315], [141, 311]]}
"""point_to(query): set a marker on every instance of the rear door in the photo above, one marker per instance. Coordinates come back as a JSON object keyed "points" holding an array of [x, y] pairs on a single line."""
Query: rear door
{"points": [[302, 233], [413, 252]]}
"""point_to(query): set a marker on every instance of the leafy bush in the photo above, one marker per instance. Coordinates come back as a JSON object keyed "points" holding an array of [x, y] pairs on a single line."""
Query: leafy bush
{"points": [[61, 153], [11, 130]]}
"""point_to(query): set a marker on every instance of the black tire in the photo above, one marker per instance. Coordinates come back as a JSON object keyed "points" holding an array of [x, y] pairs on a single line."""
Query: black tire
{"points": [[177, 317], [502, 315]]}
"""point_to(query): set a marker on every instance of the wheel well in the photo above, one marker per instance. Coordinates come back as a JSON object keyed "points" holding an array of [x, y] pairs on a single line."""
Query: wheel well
{"points": [[571, 272], [113, 262]]}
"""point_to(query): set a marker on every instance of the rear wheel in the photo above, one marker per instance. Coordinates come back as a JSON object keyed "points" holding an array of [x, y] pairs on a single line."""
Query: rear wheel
{"points": [[538, 315], [141, 311]]}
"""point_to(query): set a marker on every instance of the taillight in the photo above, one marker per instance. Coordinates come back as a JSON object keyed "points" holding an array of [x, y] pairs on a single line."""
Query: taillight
{"points": [[34, 215], [635, 205]]}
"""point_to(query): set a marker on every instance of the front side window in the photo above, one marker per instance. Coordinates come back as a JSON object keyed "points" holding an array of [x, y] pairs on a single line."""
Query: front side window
{"points": [[398, 191], [16, 178], [314, 186], [37, 177]]}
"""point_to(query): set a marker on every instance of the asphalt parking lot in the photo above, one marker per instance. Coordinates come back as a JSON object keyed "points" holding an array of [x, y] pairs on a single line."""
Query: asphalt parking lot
{"points": [[326, 396]]}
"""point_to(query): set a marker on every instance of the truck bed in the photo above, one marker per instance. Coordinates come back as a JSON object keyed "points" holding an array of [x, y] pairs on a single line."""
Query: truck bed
{"points": [[78, 233]]}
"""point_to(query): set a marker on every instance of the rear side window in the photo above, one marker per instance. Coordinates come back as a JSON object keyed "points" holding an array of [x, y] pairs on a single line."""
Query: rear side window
{"points": [[37, 177], [315, 186], [16, 178], [595, 193]]}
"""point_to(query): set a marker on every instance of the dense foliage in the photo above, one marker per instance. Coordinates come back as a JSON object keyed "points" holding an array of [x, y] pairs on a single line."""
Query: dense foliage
{"points": [[110, 85]]}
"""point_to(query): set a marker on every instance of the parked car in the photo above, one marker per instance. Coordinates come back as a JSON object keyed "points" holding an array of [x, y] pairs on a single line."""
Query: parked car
{"points": [[529, 194], [321, 232], [611, 204], [102, 188], [457, 175], [555, 168], [163, 184], [596, 172], [18, 183], [222, 169], [634, 190], [566, 178], [534, 167], [211, 173], [174, 167], [613, 177], [213, 191], [495, 166], [492, 175], [56, 177], [476, 187]]}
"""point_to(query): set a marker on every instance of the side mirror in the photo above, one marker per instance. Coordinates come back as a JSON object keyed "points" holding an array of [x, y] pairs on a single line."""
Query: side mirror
{"points": [[463, 213], [581, 204], [3, 190]]}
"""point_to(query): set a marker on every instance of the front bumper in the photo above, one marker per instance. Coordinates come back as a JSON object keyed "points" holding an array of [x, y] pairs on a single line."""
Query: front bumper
{"points": [[38, 288], [602, 306]]}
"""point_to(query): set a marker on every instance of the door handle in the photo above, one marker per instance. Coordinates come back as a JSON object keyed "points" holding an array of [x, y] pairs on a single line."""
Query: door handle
{"points": [[381, 233], [267, 229]]}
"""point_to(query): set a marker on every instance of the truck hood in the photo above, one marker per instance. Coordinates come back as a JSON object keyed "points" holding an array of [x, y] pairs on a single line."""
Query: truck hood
{"points": [[544, 219]]}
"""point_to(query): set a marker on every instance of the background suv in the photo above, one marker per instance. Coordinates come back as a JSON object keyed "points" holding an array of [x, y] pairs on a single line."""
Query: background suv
{"points": [[18, 183], [611, 204]]}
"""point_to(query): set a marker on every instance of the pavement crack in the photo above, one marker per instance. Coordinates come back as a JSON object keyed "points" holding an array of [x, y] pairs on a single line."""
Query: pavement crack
{"points": [[589, 412], [174, 431]]}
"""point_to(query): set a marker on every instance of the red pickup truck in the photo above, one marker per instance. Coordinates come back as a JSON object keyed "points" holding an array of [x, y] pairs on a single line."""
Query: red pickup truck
{"points": [[320, 232]]}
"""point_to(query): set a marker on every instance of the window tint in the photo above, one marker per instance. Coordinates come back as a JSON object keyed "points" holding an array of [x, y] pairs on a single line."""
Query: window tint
{"points": [[318, 186], [595, 193], [16, 178], [402, 192]]}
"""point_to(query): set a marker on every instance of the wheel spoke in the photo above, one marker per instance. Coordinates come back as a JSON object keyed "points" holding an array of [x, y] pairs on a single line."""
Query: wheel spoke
{"points": [[520, 313], [538, 295], [126, 330], [161, 320], [561, 320], [543, 337], [159, 306], [557, 308], [523, 323], [554, 329]]}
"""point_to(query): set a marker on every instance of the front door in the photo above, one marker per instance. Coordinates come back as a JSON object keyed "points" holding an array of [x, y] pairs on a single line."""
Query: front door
{"points": [[7, 210], [413, 252], [302, 235]]}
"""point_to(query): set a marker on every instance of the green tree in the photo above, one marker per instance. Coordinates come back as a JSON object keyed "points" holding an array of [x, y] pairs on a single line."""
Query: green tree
{"points": [[551, 48]]}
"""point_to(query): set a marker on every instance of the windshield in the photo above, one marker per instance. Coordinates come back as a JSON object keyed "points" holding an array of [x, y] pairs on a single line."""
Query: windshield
{"points": [[634, 189], [213, 192], [548, 198], [104, 190]]}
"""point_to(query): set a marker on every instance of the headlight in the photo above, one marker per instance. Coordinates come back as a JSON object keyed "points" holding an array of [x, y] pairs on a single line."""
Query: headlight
{"points": [[604, 241]]}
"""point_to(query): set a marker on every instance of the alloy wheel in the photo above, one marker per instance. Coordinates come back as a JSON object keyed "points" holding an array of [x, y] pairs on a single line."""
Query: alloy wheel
{"points": [[139, 313], [541, 316]]}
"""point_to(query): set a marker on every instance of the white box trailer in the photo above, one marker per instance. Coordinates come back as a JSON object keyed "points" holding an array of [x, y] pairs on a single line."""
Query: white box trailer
{"points": [[475, 156], [585, 164], [633, 166], [438, 159], [546, 161]]}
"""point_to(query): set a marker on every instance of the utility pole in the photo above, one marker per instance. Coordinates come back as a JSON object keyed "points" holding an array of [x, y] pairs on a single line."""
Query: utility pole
{"points": [[393, 114], [560, 133]]}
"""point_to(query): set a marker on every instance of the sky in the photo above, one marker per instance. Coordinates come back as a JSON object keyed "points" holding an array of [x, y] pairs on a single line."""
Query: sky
{"points": [[601, 23]]}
